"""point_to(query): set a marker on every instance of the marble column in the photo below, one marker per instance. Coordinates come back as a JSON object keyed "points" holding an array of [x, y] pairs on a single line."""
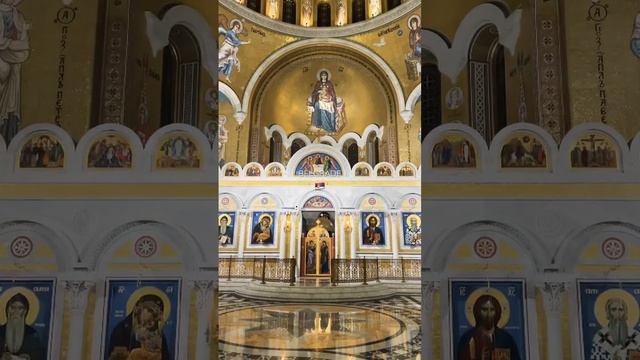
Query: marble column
{"points": [[292, 234], [342, 232], [352, 235], [428, 288], [552, 295], [78, 292], [281, 233], [242, 214], [395, 241], [204, 304], [288, 239], [299, 227]]}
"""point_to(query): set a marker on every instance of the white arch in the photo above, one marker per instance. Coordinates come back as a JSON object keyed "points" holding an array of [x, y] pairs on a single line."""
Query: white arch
{"points": [[192, 254], [66, 253], [326, 138], [399, 202], [413, 98], [228, 92], [246, 168], [224, 168], [383, 164], [88, 139], [378, 130], [158, 34], [287, 141], [24, 135], [385, 201], [503, 136], [275, 197], [451, 61], [572, 137], [239, 204], [276, 56], [438, 253], [318, 148], [396, 171], [334, 200], [207, 162], [274, 164], [568, 254], [362, 164]]}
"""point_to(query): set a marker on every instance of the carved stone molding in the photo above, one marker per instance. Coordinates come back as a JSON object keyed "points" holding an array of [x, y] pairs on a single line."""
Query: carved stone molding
{"points": [[204, 292], [428, 288], [552, 295], [78, 291]]}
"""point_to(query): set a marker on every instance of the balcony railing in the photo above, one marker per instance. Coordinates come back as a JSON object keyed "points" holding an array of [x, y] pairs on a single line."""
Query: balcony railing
{"points": [[362, 270], [263, 269]]}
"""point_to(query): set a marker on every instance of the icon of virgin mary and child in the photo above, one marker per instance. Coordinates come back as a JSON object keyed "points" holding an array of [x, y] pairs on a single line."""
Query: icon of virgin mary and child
{"points": [[327, 111]]}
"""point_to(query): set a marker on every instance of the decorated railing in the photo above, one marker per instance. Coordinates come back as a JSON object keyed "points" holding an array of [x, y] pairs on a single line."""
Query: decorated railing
{"points": [[362, 270], [365, 270], [262, 269]]}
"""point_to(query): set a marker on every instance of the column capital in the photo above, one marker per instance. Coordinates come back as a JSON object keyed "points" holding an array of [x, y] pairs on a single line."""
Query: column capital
{"points": [[552, 294], [428, 288], [406, 116], [204, 290], [239, 116], [78, 291]]}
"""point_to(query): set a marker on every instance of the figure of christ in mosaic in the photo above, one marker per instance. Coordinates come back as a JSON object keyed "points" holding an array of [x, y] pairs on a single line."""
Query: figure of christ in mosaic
{"points": [[486, 341]]}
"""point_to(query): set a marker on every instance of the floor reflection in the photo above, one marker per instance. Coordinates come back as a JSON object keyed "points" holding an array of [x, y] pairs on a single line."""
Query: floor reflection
{"points": [[382, 329]]}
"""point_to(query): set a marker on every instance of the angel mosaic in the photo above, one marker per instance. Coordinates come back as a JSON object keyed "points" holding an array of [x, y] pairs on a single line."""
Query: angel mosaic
{"points": [[228, 53]]}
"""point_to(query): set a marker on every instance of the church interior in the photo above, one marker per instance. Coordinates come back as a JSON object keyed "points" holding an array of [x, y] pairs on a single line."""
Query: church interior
{"points": [[319, 210], [157, 202], [530, 182]]}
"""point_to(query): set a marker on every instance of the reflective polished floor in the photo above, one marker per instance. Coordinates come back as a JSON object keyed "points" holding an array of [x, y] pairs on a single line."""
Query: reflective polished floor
{"points": [[378, 329]]}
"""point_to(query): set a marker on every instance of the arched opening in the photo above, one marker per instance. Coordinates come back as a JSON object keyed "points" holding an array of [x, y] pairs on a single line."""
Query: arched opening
{"points": [[289, 11], [254, 5], [373, 151], [180, 78], [296, 145], [275, 148], [317, 242], [324, 15], [487, 83], [358, 11], [350, 151], [430, 98], [393, 3]]}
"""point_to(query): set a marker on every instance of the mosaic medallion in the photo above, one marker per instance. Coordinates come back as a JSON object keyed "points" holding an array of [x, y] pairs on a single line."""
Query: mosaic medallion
{"points": [[21, 247], [613, 249], [145, 247], [485, 248]]}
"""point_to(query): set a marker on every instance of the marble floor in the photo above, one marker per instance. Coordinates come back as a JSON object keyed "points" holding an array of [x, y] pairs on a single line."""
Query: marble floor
{"points": [[377, 329]]}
